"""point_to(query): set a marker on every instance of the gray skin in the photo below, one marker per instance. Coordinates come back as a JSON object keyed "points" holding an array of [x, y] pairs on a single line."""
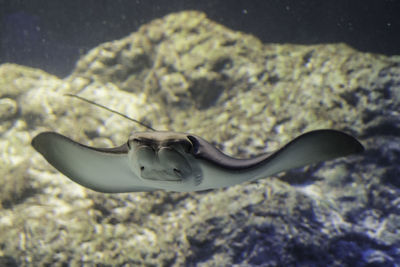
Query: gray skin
{"points": [[181, 162]]}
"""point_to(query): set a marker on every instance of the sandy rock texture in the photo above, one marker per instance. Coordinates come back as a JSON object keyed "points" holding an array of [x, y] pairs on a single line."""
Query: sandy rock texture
{"points": [[186, 73]]}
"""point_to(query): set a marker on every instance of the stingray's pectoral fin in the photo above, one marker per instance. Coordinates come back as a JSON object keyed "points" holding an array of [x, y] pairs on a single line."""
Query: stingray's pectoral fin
{"points": [[313, 147], [102, 170]]}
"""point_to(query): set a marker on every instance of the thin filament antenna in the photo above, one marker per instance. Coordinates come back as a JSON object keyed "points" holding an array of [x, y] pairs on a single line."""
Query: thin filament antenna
{"points": [[111, 110]]}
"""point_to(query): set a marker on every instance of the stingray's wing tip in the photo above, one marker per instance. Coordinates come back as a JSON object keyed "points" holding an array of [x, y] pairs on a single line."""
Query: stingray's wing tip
{"points": [[39, 142], [358, 147], [347, 142]]}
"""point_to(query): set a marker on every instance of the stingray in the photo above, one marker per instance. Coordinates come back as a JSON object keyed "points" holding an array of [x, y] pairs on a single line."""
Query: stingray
{"points": [[181, 162]]}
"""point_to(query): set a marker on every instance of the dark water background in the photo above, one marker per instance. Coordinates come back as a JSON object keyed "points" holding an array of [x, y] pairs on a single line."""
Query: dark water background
{"points": [[51, 35]]}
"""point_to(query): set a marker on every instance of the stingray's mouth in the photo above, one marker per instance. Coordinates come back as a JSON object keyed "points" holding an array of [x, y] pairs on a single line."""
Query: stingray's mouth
{"points": [[169, 175], [163, 179]]}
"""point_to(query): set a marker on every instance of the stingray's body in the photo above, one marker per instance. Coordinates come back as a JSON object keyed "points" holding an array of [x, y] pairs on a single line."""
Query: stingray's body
{"points": [[181, 162]]}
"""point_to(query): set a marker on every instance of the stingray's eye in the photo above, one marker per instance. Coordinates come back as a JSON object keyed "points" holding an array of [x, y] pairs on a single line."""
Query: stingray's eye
{"points": [[136, 140], [134, 143], [194, 144], [142, 168]]}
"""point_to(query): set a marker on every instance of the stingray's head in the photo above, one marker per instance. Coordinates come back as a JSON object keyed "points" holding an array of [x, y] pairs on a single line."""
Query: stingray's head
{"points": [[163, 158]]}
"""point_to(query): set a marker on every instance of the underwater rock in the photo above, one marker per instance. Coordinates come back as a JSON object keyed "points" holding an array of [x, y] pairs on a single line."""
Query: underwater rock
{"points": [[206, 57], [8, 108], [187, 73]]}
